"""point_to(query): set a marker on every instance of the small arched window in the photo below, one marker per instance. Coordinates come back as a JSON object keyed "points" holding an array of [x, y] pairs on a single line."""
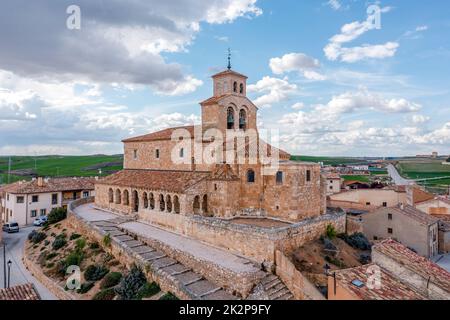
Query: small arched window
{"points": [[279, 177], [250, 176], [235, 86], [241, 88], [242, 119], [157, 153], [182, 153], [230, 118]]}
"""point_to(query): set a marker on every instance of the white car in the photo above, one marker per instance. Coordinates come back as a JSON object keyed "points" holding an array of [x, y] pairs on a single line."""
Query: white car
{"points": [[40, 221]]}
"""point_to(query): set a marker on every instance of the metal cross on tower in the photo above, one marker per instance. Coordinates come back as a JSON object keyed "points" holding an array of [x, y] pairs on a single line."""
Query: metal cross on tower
{"points": [[229, 59]]}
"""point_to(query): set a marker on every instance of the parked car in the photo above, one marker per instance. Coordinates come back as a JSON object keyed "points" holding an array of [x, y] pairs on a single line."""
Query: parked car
{"points": [[40, 221], [11, 227]]}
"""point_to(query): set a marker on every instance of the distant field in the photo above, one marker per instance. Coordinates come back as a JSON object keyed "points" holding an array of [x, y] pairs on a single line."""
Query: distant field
{"points": [[327, 160], [422, 169], [52, 166], [356, 178]]}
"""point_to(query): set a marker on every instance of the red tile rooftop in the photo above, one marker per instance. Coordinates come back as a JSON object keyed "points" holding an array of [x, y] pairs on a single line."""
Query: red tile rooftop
{"points": [[412, 261], [415, 214], [165, 134], [50, 185], [21, 292], [390, 288]]}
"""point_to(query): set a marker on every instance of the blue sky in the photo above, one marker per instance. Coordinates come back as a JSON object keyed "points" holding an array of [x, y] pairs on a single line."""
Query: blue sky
{"points": [[321, 72]]}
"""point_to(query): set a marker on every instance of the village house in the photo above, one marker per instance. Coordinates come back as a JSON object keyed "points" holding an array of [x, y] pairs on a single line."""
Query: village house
{"points": [[24, 201], [334, 182], [396, 273], [411, 227]]}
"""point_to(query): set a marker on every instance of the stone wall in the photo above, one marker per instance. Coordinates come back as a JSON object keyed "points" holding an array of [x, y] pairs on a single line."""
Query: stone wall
{"points": [[351, 205], [354, 225], [300, 286]]}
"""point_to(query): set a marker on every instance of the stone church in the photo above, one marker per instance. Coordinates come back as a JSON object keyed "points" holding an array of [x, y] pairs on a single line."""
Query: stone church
{"points": [[216, 169]]}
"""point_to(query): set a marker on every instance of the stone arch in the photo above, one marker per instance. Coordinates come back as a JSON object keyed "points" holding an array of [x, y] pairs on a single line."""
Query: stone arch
{"points": [[152, 201], [145, 200], [162, 204], [250, 176], [135, 201], [230, 118], [126, 198], [176, 204], [205, 205], [118, 196], [111, 195], [196, 205], [169, 203], [242, 119]]}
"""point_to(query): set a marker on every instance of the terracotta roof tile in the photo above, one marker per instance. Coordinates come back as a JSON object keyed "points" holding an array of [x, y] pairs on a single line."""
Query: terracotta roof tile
{"points": [[227, 72], [21, 292], [223, 172], [412, 261], [51, 185], [415, 214], [390, 287], [165, 134], [167, 180], [332, 175], [214, 100]]}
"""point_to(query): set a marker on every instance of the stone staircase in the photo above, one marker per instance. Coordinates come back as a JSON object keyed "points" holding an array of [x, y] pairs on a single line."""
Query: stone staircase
{"points": [[195, 284], [271, 288]]}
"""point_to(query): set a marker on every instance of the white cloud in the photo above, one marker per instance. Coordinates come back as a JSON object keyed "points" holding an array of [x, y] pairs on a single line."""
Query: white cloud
{"points": [[298, 106], [275, 90], [298, 62], [334, 4], [416, 33], [334, 50], [419, 119]]}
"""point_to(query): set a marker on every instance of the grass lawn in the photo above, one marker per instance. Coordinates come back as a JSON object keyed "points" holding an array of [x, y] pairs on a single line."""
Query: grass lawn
{"points": [[327, 160], [356, 178], [51, 166], [425, 169]]}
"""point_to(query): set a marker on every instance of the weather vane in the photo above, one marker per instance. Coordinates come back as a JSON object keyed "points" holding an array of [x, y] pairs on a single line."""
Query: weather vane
{"points": [[229, 59]]}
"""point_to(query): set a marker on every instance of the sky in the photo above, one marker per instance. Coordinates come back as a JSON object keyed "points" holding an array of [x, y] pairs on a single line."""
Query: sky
{"points": [[331, 77]]}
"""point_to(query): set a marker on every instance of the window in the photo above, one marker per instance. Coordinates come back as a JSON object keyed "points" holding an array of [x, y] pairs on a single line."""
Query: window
{"points": [[230, 118], [308, 175], [157, 153], [279, 177], [55, 198], [43, 212], [33, 213], [390, 231], [135, 154], [20, 199], [384, 204], [35, 199], [7, 196], [215, 186], [181, 152], [331, 187], [250, 176], [235, 86], [367, 203], [389, 216], [85, 194], [375, 238], [242, 119], [241, 88]]}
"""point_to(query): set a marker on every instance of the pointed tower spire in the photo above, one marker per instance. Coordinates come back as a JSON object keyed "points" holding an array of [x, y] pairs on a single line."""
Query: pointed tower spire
{"points": [[229, 59]]}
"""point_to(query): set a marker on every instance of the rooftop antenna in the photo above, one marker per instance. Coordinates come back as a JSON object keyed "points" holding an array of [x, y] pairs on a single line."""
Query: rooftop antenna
{"points": [[229, 59]]}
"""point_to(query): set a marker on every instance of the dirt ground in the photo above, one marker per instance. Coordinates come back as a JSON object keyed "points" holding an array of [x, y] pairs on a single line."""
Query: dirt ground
{"points": [[311, 258]]}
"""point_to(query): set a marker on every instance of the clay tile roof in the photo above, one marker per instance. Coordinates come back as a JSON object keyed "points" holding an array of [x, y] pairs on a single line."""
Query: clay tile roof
{"points": [[412, 261], [165, 134], [332, 175], [21, 292], [415, 214], [350, 182], [227, 72], [223, 172], [214, 100], [390, 289], [421, 196], [164, 180], [51, 185]]}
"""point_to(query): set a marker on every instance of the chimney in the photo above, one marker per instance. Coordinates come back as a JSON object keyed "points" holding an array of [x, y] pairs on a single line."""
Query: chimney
{"points": [[40, 182]]}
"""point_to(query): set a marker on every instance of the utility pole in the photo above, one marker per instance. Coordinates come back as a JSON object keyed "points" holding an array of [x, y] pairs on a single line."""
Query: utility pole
{"points": [[9, 169], [4, 264]]}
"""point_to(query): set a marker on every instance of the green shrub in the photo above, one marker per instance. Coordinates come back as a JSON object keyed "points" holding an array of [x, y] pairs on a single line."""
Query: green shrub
{"points": [[130, 284], [94, 272], [331, 232], [51, 255], [74, 258], [74, 236], [56, 215], [50, 265], [168, 296], [110, 280], [85, 287], [107, 294], [58, 243], [357, 241], [80, 244], [107, 240], [147, 290], [94, 245], [36, 237], [336, 262], [46, 243]]}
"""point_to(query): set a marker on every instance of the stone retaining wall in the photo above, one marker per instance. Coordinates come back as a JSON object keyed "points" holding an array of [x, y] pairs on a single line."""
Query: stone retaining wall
{"points": [[299, 285]]}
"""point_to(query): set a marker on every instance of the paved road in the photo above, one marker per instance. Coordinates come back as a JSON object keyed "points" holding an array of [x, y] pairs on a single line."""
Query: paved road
{"points": [[397, 178], [19, 274]]}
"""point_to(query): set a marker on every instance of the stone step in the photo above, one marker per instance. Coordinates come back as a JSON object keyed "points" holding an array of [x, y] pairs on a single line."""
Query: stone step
{"points": [[279, 293], [280, 285], [116, 233], [268, 278], [219, 295], [132, 243], [108, 229], [287, 296], [272, 284], [201, 287], [150, 256], [211, 292], [189, 277], [163, 262], [123, 238], [176, 269], [142, 249]]}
